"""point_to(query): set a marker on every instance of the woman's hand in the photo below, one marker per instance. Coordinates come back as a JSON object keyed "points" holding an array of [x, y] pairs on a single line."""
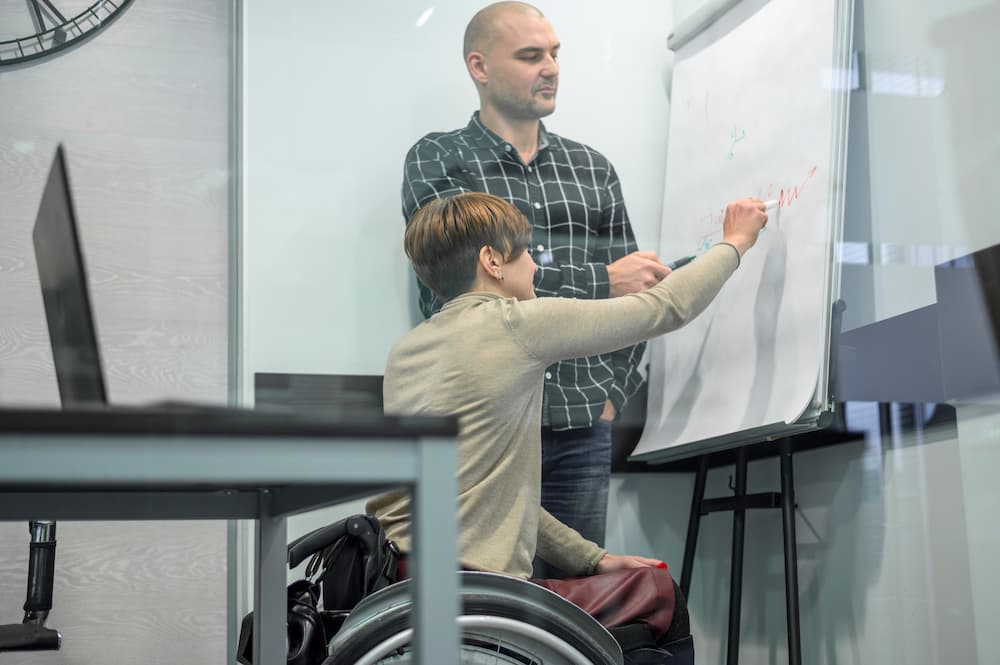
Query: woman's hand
{"points": [[613, 562]]}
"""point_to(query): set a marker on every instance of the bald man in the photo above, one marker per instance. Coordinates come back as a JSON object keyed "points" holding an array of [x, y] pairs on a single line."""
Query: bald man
{"points": [[582, 240]]}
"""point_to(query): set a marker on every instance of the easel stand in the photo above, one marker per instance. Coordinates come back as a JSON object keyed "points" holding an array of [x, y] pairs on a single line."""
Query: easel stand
{"points": [[739, 503]]}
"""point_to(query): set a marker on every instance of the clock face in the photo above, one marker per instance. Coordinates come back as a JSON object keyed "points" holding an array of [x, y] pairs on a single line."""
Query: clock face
{"points": [[31, 29]]}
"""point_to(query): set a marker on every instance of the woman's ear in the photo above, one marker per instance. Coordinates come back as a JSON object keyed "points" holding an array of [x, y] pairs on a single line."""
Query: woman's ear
{"points": [[490, 260], [486, 260]]}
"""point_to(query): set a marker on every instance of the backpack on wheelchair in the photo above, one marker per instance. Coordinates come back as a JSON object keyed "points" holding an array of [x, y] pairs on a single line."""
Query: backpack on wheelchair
{"points": [[351, 559]]}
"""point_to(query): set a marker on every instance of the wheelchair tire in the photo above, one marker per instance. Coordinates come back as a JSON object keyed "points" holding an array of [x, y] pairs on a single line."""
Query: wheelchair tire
{"points": [[516, 606]]}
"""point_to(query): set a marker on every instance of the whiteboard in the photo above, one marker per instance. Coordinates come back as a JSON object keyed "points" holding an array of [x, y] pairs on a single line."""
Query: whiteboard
{"points": [[758, 108]]}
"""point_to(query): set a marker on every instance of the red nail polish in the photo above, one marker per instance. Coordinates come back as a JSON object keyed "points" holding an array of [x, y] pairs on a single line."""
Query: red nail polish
{"points": [[661, 565]]}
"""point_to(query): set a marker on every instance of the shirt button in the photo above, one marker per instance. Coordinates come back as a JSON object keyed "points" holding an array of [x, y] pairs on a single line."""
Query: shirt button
{"points": [[548, 375], [529, 169], [538, 206], [507, 147], [541, 248]]}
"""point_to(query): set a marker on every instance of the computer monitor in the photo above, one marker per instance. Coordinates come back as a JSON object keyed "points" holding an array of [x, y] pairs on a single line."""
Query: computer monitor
{"points": [[63, 278]]}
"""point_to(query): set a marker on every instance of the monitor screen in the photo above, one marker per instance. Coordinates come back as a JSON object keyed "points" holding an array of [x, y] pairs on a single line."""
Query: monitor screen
{"points": [[63, 280]]}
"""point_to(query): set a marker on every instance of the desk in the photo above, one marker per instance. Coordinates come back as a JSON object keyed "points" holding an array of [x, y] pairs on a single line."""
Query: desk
{"points": [[147, 464]]}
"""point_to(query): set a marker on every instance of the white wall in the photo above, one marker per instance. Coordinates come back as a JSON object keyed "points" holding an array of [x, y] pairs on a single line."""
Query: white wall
{"points": [[933, 144]]}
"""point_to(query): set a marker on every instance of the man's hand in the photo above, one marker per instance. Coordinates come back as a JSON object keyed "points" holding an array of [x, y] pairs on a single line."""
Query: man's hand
{"points": [[635, 272], [613, 562], [743, 222], [609, 411]]}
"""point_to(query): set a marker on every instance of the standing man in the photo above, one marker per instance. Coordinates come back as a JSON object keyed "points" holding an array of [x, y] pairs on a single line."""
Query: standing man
{"points": [[581, 239]]}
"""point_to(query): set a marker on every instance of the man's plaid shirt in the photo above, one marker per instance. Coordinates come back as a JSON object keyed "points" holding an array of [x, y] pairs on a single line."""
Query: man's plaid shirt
{"points": [[572, 196]]}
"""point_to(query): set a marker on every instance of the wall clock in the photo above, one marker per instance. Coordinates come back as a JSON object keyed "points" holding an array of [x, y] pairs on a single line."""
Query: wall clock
{"points": [[32, 29]]}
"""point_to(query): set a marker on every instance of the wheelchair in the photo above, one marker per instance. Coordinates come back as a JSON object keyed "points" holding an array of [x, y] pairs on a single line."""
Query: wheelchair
{"points": [[503, 621], [367, 616]]}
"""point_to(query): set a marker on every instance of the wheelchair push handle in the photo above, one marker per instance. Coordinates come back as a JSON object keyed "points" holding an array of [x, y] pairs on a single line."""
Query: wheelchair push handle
{"points": [[305, 546]]}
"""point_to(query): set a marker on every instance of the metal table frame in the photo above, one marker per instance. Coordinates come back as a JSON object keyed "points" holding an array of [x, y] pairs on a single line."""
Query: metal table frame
{"points": [[235, 464]]}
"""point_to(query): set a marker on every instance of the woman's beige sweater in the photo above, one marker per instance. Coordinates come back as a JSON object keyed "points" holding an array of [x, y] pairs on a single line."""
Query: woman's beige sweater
{"points": [[482, 358]]}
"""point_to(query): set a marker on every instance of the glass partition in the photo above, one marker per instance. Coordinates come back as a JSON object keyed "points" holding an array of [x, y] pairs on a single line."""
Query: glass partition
{"points": [[893, 525]]}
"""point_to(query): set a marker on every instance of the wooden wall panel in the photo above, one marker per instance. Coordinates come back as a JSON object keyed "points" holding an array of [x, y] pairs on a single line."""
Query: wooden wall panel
{"points": [[126, 592], [143, 110]]}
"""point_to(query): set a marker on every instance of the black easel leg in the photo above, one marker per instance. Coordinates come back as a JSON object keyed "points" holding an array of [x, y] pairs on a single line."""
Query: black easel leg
{"points": [[885, 424], [736, 571], [694, 521], [791, 556]]}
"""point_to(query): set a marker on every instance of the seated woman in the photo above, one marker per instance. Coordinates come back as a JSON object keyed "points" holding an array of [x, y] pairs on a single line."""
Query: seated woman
{"points": [[483, 357]]}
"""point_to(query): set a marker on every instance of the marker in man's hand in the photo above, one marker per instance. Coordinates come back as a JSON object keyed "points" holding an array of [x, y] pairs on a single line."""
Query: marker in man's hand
{"points": [[680, 263]]}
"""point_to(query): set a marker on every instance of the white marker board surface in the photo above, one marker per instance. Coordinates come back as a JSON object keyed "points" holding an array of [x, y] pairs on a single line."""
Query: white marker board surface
{"points": [[758, 108]]}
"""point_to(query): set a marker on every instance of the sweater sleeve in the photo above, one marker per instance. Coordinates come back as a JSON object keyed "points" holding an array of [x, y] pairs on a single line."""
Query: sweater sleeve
{"points": [[564, 547], [554, 329]]}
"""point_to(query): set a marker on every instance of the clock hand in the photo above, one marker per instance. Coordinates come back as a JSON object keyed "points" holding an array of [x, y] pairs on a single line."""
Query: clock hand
{"points": [[60, 33], [52, 8], [39, 19]]}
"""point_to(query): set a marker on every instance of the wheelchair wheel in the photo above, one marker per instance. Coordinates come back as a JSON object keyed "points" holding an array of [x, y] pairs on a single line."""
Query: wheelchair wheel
{"points": [[505, 621]]}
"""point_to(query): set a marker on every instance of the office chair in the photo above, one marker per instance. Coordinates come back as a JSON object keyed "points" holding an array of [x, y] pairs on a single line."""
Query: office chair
{"points": [[31, 634]]}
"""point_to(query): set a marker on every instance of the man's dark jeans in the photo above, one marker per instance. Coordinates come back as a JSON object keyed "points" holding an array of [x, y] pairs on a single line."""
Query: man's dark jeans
{"points": [[576, 475]]}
